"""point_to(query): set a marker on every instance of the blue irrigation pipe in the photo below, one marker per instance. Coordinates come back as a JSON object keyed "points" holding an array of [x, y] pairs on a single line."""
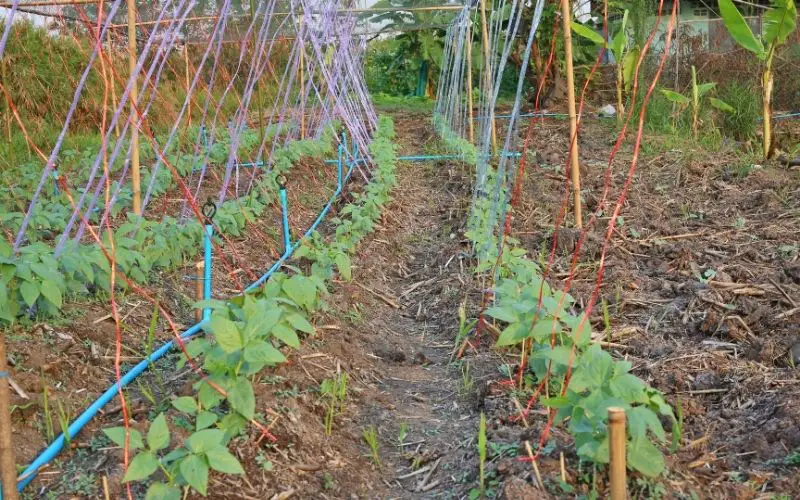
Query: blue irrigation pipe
{"points": [[207, 264], [84, 418], [287, 236], [56, 446]]}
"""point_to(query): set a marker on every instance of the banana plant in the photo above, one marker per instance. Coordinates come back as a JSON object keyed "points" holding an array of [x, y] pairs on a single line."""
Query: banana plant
{"points": [[698, 91], [625, 58], [779, 22]]}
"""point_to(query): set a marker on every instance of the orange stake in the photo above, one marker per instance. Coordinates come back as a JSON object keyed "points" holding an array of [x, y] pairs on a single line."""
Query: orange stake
{"points": [[616, 439]]}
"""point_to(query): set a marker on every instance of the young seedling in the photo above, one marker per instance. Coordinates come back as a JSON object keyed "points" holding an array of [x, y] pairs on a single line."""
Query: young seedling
{"points": [[334, 392], [370, 435], [402, 435]]}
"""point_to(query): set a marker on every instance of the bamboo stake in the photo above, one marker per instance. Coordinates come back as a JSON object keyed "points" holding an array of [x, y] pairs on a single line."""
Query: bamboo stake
{"points": [[258, 83], [8, 466], [566, 19], [488, 70], [301, 78], [616, 438], [134, 97], [200, 268], [469, 86], [188, 82], [113, 83]]}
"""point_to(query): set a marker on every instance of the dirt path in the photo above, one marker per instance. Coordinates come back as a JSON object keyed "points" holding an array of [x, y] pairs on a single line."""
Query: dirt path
{"points": [[393, 330]]}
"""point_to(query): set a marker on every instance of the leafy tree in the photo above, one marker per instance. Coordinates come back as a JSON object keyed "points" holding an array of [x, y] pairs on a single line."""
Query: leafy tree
{"points": [[779, 22]]}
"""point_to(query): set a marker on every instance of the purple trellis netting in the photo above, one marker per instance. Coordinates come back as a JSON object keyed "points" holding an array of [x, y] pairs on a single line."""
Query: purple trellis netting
{"points": [[321, 37]]}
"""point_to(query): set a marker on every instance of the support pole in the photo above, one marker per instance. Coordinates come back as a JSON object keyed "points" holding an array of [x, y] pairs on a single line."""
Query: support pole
{"points": [[258, 86], [469, 84], [287, 237], [616, 438], [566, 19], [488, 71], [8, 465], [113, 82], [301, 78], [199, 289], [134, 98], [207, 247], [188, 84]]}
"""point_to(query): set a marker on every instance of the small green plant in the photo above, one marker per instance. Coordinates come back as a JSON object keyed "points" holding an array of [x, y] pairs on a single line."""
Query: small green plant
{"points": [[740, 123], [334, 393], [264, 463], [203, 451], [402, 434], [467, 381], [464, 325], [694, 100], [370, 435], [48, 417]]}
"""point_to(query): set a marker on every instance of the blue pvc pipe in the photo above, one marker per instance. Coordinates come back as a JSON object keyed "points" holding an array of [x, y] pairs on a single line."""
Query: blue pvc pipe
{"points": [[207, 265], [287, 237], [339, 170], [56, 446]]}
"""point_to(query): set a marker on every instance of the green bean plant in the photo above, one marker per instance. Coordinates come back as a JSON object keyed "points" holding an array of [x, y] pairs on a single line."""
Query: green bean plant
{"points": [[246, 335], [780, 20]]}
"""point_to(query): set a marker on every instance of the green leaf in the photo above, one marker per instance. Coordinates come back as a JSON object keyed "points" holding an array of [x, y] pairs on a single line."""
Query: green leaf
{"points": [[221, 460], [640, 419], [242, 398], [721, 105], [205, 419], [261, 323], [142, 465], [675, 97], [739, 29], [301, 290], [204, 440], [502, 313], [52, 293], [30, 292], [185, 404], [286, 335], [628, 387], [263, 352], [158, 434], [779, 21], [117, 436], [342, 262], [300, 323], [544, 329], [512, 334], [619, 41], [194, 470], [703, 88], [644, 457], [227, 333], [161, 491], [588, 33], [559, 354]]}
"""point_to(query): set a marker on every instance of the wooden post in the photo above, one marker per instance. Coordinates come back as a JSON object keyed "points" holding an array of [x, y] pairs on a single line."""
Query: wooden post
{"points": [[188, 82], [199, 286], [258, 86], [469, 84], [488, 71], [301, 78], [566, 20], [616, 439], [8, 465], [134, 97]]}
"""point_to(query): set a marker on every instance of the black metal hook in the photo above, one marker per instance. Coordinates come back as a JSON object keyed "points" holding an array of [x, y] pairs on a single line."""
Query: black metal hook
{"points": [[209, 210]]}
